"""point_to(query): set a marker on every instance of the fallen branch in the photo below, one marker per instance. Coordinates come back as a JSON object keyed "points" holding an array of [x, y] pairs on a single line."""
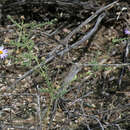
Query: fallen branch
{"points": [[65, 41], [61, 53], [88, 20], [86, 37]]}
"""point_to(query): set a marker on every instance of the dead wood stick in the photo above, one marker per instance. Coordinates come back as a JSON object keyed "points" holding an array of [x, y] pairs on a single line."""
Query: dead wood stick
{"points": [[125, 58], [61, 53], [73, 46], [65, 41], [67, 38]]}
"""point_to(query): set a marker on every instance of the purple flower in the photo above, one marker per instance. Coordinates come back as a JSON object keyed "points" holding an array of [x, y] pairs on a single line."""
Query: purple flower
{"points": [[3, 52], [127, 31]]}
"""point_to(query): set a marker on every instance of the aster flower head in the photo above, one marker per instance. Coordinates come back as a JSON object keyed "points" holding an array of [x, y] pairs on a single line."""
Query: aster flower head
{"points": [[127, 32], [3, 52]]}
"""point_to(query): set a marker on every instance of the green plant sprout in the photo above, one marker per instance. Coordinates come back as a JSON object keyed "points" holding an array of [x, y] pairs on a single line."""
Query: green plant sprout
{"points": [[95, 67], [27, 56], [119, 40], [25, 43]]}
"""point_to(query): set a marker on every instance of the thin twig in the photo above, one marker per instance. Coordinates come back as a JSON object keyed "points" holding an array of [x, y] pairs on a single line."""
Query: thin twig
{"points": [[53, 112], [39, 110], [117, 65], [81, 98], [125, 57], [99, 122]]}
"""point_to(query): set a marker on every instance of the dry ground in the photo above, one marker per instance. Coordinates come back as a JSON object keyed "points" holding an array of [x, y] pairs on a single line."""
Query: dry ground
{"points": [[94, 100]]}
